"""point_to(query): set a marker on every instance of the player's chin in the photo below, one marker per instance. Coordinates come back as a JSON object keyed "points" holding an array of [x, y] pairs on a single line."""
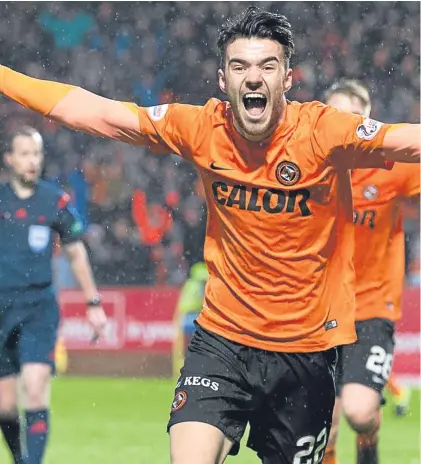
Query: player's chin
{"points": [[256, 127]]}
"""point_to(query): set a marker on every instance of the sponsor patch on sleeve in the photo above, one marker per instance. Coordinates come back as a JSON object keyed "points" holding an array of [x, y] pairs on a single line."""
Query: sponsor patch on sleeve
{"points": [[157, 112], [368, 129]]}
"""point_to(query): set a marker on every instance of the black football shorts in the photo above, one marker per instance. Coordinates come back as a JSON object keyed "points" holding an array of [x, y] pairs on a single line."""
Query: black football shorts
{"points": [[287, 398], [368, 361]]}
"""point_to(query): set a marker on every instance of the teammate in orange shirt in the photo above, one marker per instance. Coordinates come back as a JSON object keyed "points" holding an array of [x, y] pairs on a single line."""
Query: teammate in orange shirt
{"points": [[364, 366], [279, 245]]}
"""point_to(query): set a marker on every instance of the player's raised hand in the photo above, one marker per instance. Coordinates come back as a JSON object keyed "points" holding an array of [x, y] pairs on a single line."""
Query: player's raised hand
{"points": [[97, 319]]}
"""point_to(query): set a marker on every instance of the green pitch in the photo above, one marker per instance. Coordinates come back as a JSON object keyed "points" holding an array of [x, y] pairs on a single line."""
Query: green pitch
{"points": [[109, 421]]}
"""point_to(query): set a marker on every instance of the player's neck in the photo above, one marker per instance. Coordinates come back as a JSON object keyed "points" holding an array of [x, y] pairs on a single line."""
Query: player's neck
{"points": [[265, 135], [22, 190], [253, 138]]}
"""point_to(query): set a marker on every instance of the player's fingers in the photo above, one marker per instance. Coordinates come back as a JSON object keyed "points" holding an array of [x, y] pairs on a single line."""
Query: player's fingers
{"points": [[98, 323], [98, 329], [94, 338], [97, 318]]}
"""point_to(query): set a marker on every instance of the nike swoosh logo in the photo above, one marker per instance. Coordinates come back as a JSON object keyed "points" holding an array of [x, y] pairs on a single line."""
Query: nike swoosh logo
{"points": [[218, 168]]}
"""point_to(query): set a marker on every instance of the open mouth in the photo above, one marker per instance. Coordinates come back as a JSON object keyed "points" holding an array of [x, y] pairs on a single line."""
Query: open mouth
{"points": [[255, 103]]}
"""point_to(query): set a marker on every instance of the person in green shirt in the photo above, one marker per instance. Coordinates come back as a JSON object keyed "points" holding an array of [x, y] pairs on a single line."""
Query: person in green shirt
{"points": [[188, 308]]}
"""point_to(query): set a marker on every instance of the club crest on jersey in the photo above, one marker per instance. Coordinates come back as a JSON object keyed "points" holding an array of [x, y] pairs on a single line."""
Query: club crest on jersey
{"points": [[38, 238], [288, 173], [370, 192], [157, 112], [179, 401], [368, 129]]}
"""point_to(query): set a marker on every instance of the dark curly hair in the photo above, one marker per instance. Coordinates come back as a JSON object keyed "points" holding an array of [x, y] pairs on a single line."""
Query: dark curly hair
{"points": [[255, 22]]}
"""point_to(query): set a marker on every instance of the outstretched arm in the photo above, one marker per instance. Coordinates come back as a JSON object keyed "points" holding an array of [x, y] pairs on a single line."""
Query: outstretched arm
{"points": [[170, 128], [354, 142], [73, 106], [402, 143]]}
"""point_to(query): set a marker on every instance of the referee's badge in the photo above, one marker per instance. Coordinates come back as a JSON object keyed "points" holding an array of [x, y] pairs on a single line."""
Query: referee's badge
{"points": [[38, 238]]}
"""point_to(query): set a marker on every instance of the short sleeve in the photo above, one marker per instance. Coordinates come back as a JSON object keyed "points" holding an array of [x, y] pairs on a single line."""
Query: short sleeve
{"points": [[176, 128], [67, 223], [408, 178], [349, 141]]}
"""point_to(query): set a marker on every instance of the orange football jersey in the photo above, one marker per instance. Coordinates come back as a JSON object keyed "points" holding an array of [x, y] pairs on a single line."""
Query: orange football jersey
{"points": [[280, 236], [379, 238]]}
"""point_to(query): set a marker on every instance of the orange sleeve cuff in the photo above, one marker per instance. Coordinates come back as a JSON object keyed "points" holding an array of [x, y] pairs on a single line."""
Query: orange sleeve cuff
{"points": [[36, 94]]}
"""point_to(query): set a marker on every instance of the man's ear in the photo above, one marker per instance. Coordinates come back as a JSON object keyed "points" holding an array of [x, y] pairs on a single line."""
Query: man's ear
{"points": [[221, 80], [6, 159], [288, 80]]}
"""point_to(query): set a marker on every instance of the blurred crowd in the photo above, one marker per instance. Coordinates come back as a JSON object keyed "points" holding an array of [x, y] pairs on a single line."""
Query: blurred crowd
{"points": [[145, 215]]}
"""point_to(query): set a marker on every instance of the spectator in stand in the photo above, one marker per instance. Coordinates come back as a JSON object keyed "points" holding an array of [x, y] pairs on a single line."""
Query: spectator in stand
{"points": [[68, 26]]}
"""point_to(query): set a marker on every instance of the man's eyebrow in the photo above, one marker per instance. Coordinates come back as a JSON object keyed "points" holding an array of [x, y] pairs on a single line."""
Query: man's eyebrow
{"points": [[245, 62], [237, 60], [269, 58]]}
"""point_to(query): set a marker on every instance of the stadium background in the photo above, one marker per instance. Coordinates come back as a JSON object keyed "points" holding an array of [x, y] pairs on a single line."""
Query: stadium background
{"points": [[145, 215]]}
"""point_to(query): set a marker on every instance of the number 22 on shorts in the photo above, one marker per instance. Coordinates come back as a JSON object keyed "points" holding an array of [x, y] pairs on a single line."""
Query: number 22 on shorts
{"points": [[311, 455]]}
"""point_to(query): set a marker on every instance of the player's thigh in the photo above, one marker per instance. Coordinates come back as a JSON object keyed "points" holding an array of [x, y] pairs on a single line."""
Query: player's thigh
{"points": [[293, 425], [211, 390], [360, 405], [368, 361], [198, 443]]}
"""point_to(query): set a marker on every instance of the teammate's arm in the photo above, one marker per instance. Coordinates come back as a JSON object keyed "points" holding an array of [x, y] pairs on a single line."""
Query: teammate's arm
{"points": [[402, 143], [408, 182]]}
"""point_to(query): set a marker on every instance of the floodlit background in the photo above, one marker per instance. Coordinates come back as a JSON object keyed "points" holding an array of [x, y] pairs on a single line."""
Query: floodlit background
{"points": [[145, 215]]}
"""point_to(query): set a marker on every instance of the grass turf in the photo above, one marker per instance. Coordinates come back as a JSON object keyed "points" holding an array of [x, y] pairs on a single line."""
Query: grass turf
{"points": [[106, 421]]}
